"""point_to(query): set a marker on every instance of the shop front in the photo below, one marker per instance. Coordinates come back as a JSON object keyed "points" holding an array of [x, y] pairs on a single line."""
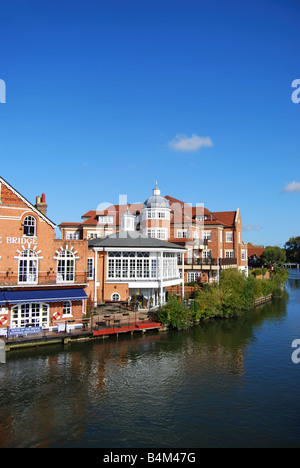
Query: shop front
{"points": [[41, 309]]}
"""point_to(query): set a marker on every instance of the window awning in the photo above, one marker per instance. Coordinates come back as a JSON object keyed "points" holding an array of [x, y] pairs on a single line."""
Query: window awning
{"points": [[2, 300], [48, 295]]}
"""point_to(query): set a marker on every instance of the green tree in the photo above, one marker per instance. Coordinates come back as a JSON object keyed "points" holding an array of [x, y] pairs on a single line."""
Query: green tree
{"points": [[273, 256], [174, 313], [292, 248]]}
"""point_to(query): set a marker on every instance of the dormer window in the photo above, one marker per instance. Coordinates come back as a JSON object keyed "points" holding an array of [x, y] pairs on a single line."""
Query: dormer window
{"points": [[105, 219], [29, 226]]}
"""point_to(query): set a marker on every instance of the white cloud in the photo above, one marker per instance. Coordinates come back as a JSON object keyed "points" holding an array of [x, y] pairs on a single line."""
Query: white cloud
{"points": [[246, 227], [293, 187], [193, 143]]}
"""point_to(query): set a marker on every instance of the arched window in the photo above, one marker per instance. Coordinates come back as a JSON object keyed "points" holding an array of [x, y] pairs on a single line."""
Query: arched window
{"points": [[66, 267], [29, 226], [28, 266], [67, 308], [115, 297]]}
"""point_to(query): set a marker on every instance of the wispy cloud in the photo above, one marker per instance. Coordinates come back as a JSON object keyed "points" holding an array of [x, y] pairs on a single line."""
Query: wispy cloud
{"points": [[246, 227], [184, 143], [293, 187]]}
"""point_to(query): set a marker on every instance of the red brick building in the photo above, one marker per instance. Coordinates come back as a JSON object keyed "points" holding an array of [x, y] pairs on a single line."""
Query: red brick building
{"points": [[42, 279], [212, 240]]}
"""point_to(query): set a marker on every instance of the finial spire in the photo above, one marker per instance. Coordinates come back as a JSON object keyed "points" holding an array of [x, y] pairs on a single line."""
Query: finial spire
{"points": [[156, 190]]}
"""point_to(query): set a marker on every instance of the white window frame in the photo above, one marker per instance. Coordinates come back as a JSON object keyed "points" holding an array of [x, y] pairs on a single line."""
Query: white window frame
{"points": [[243, 254], [142, 266], [115, 294], [229, 236], [193, 276], [36, 314], [158, 233], [90, 268], [206, 235], [29, 224], [229, 253], [182, 233], [73, 235], [65, 267], [206, 254], [67, 309], [28, 267], [105, 219], [157, 214]]}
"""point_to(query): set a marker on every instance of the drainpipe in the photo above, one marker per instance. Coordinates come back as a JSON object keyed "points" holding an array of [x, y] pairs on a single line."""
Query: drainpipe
{"points": [[161, 278], [95, 278], [182, 256]]}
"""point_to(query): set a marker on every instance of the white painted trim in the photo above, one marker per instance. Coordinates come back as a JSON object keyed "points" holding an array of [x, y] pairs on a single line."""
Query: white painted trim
{"points": [[35, 210]]}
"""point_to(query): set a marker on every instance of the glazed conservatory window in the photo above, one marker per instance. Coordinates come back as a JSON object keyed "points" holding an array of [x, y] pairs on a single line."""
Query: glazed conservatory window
{"points": [[29, 226], [28, 267], [140, 265], [66, 267]]}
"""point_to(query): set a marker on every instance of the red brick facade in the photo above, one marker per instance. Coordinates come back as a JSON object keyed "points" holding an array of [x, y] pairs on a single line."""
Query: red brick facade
{"points": [[213, 240], [30, 258]]}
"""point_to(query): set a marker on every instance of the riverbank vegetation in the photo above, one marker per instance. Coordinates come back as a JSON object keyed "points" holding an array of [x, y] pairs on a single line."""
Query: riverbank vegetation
{"points": [[234, 294], [292, 249]]}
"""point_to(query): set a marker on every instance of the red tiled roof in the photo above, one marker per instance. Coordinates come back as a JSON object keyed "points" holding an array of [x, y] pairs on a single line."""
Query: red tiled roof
{"points": [[70, 224], [257, 250], [226, 217]]}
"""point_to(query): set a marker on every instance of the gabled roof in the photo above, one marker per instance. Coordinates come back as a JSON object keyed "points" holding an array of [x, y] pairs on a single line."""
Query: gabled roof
{"points": [[257, 250], [226, 217], [91, 217], [24, 200]]}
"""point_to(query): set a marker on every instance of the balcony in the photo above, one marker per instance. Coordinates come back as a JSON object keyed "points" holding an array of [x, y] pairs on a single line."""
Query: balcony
{"points": [[10, 279], [201, 261], [222, 262], [228, 261]]}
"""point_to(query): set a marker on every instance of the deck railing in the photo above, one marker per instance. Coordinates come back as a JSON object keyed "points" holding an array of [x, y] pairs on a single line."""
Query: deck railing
{"points": [[210, 261]]}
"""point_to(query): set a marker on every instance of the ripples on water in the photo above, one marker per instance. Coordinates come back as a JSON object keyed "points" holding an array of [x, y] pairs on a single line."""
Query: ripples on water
{"points": [[224, 383]]}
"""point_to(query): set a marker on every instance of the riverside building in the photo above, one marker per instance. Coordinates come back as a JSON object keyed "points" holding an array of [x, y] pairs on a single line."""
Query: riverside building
{"points": [[42, 279], [211, 241]]}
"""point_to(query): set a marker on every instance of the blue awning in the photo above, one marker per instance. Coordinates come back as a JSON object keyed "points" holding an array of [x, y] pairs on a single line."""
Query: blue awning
{"points": [[2, 300], [47, 295]]}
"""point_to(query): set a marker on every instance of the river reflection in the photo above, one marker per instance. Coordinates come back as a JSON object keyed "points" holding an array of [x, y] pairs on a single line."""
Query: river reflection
{"points": [[223, 383]]}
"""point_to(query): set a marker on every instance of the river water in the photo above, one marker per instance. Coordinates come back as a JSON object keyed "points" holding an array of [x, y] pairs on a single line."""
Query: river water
{"points": [[225, 383]]}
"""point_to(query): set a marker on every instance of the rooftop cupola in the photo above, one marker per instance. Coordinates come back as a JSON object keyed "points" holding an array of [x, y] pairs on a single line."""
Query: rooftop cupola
{"points": [[156, 200], [127, 221]]}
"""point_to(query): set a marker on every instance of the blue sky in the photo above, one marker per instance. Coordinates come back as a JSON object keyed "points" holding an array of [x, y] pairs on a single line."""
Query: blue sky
{"points": [[105, 97]]}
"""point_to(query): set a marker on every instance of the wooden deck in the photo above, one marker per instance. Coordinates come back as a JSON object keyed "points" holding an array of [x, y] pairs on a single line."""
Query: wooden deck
{"points": [[130, 327]]}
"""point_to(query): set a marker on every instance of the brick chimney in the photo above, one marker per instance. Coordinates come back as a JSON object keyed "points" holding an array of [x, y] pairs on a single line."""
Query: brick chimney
{"points": [[41, 204]]}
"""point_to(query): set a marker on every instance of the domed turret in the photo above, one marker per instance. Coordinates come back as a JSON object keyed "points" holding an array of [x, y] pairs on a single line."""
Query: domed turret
{"points": [[156, 216], [157, 200]]}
